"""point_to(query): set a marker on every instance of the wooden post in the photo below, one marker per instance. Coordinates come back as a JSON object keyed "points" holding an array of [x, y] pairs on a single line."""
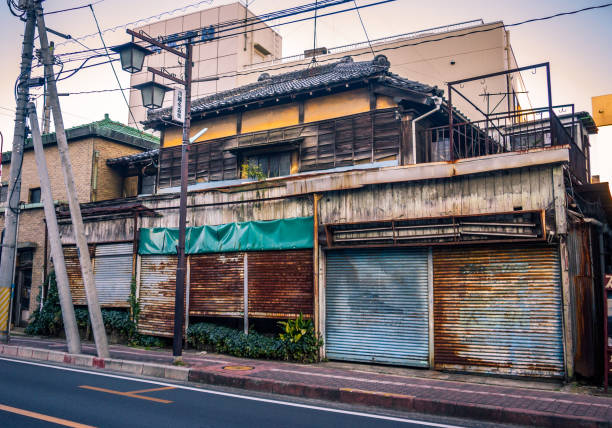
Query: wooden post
{"points": [[245, 300], [561, 230], [315, 252]]}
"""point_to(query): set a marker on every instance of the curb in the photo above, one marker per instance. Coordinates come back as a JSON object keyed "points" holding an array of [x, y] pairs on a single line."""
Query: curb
{"points": [[339, 395]]}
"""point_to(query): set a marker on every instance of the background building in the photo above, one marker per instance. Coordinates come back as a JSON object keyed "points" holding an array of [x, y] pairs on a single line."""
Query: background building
{"points": [[235, 49], [433, 56], [89, 145]]}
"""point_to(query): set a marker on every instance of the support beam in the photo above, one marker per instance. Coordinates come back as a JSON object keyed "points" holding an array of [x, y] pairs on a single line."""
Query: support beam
{"points": [[95, 314], [70, 325]]}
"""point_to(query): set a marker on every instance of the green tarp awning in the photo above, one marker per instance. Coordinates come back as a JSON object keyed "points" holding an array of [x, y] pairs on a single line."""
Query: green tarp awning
{"points": [[285, 234]]}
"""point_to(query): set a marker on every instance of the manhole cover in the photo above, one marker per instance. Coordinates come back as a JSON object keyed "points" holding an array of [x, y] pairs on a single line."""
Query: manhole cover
{"points": [[238, 368]]}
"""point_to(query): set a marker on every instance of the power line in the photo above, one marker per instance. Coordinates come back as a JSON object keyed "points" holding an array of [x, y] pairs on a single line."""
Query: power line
{"points": [[364, 29], [72, 8], [452, 36], [143, 20], [257, 29], [113, 67], [239, 24]]}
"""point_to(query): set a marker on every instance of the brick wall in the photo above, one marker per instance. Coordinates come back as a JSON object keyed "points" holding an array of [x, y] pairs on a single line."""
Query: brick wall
{"points": [[109, 183], [80, 152]]}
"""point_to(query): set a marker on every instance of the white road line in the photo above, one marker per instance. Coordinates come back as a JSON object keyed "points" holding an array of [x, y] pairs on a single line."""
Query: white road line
{"points": [[243, 397]]}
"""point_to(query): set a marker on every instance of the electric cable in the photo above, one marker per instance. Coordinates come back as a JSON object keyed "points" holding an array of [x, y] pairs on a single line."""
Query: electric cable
{"points": [[113, 68], [143, 20], [280, 67], [364, 29], [72, 8]]}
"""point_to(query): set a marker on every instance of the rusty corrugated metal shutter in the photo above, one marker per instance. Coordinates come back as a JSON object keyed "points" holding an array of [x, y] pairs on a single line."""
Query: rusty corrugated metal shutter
{"points": [[280, 283], [113, 273], [377, 306], [73, 269], [216, 284], [157, 291], [498, 309]]}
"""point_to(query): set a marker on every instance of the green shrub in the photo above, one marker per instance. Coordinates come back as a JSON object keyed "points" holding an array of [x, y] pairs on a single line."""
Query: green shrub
{"points": [[300, 340], [254, 345], [48, 320]]}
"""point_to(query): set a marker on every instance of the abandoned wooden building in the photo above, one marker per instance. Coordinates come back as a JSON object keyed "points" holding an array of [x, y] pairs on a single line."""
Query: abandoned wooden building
{"points": [[413, 242]]}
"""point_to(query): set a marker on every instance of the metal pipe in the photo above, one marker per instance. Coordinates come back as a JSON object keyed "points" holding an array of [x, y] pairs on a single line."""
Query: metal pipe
{"points": [[179, 309], [438, 103]]}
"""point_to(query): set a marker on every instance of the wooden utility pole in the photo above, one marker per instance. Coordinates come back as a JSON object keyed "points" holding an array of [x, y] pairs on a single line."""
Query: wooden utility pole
{"points": [[63, 289], [9, 243], [95, 314]]}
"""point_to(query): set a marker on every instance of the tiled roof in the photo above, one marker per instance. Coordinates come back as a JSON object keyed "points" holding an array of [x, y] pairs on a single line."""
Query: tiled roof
{"points": [[126, 160], [105, 128], [343, 71]]}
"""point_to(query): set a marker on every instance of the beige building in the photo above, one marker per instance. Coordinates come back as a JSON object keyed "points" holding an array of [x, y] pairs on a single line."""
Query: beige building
{"points": [[233, 49], [90, 146], [433, 56]]}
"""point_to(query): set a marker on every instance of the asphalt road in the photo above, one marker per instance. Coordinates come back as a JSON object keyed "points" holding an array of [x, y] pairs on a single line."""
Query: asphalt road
{"points": [[32, 394]]}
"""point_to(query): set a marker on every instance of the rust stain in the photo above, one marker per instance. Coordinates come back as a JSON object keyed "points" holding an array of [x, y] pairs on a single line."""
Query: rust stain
{"points": [[497, 309]]}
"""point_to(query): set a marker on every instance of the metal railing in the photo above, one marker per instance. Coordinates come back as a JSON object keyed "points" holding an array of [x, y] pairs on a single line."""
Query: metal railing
{"points": [[501, 133]]}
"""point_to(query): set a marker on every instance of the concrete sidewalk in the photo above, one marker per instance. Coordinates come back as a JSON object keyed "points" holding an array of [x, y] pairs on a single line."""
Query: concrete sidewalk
{"points": [[476, 397]]}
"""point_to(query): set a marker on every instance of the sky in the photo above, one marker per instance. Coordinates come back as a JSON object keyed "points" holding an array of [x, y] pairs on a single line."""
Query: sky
{"points": [[576, 46]]}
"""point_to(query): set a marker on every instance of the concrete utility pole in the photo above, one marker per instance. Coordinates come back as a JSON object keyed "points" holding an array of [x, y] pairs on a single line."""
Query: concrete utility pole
{"points": [[9, 242], [59, 264], [95, 314]]}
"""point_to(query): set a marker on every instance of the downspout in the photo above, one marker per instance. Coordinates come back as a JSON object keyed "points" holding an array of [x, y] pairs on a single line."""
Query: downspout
{"points": [[438, 102]]}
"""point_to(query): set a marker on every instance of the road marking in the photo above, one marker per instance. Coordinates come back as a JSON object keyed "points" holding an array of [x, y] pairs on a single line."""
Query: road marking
{"points": [[238, 396], [152, 390], [125, 394], [42, 417]]}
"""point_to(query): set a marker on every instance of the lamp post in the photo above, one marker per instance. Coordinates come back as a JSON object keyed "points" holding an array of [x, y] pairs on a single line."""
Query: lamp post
{"points": [[132, 58]]}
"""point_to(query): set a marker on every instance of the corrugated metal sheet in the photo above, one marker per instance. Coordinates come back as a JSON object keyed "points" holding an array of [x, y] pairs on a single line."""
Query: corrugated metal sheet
{"points": [[157, 291], [113, 273], [498, 309], [73, 268], [585, 317], [216, 284], [280, 283], [377, 306]]}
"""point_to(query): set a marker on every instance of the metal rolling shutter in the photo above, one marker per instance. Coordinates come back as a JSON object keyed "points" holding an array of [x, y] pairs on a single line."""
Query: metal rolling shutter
{"points": [[280, 283], [377, 306], [75, 278], [216, 284], [113, 273], [157, 291], [498, 309]]}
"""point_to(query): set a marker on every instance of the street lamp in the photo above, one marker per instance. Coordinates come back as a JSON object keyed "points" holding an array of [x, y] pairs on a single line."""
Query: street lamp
{"points": [[152, 97], [152, 93], [132, 56]]}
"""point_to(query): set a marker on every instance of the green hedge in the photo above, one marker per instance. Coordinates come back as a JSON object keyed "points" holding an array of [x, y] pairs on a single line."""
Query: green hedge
{"points": [[254, 345], [48, 320]]}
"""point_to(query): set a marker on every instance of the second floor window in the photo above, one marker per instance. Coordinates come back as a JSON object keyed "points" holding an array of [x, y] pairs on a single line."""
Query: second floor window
{"points": [[271, 164], [34, 195]]}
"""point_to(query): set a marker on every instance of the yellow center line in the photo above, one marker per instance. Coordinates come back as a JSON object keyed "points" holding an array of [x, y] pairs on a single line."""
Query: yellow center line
{"points": [[42, 417], [125, 394], [151, 390]]}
